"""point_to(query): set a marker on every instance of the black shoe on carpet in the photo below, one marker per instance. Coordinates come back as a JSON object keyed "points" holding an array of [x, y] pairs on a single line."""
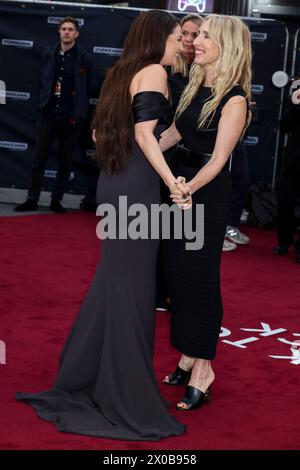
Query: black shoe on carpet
{"points": [[27, 206], [56, 206]]}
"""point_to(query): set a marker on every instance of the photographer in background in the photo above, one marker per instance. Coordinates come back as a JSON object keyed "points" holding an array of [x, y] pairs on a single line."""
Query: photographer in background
{"points": [[289, 185]]}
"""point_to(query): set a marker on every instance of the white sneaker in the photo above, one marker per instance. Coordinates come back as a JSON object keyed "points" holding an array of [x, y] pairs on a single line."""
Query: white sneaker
{"points": [[236, 236], [228, 246], [244, 216], [163, 306]]}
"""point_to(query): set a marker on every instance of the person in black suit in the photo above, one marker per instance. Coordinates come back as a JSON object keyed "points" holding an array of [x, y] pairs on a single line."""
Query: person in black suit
{"points": [[289, 185], [66, 82]]}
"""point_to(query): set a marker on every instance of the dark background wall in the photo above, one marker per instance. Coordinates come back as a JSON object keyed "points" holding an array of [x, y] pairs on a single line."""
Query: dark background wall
{"points": [[26, 28]]}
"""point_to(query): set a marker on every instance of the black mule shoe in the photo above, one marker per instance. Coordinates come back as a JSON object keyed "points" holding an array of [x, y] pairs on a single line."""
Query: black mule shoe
{"points": [[282, 249], [178, 377], [194, 398]]}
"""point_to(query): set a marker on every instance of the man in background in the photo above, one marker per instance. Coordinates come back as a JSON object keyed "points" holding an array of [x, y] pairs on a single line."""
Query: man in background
{"points": [[64, 100]]}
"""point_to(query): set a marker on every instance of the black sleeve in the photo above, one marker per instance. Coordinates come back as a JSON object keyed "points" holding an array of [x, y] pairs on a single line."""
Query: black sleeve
{"points": [[290, 122]]}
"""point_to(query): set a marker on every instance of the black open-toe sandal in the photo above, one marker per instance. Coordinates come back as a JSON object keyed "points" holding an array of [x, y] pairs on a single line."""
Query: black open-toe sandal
{"points": [[178, 377], [194, 398]]}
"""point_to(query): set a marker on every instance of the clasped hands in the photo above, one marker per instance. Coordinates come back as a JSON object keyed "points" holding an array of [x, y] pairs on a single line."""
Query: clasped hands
{"points": [[181, 193]]}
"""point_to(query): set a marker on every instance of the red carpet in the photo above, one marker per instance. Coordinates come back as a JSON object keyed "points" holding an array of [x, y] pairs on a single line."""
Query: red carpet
{"points": [[47, 262]]}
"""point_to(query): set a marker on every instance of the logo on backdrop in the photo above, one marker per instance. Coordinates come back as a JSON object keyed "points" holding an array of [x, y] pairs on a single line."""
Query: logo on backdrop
{"points": [[18, 146], [264, 332], [251, 140], [17, 95], [53, 173], [2, 352], [259, 37], [113, 51], [200, 5], [257, 89], [90, 153], [2, 92], [57, 19], [17, 43], [93, 101]]}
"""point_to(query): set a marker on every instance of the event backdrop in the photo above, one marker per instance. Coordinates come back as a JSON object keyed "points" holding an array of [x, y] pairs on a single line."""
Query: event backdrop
{"points": [[296, 62], [27, 28]]}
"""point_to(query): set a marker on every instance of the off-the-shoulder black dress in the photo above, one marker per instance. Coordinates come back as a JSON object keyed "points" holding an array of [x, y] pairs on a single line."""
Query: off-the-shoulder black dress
{"points": [[106, 384]]}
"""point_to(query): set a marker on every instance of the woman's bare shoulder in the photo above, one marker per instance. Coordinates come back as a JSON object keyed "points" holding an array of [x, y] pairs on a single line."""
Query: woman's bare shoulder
{"points": [[152, 77]]}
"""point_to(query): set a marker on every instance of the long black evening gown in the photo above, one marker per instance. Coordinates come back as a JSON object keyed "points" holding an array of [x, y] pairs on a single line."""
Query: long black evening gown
{"points": [[193, 277], [106, 384]]}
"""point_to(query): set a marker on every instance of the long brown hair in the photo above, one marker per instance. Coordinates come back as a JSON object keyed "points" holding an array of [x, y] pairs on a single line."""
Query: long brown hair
{"points": [[144, 45]]}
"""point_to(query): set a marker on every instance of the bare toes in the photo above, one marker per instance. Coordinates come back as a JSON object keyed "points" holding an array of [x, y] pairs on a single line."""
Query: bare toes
{"points": [[182, 405]]}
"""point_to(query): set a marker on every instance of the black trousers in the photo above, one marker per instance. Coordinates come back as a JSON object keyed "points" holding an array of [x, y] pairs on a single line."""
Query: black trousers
{"points": [[48, 130], [288, 192], [240, 184]]}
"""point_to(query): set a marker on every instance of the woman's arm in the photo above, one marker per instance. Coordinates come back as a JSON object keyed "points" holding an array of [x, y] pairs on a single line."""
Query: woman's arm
{"points": [[153, 78], [150, 148], [231, 126], [169, 138]]}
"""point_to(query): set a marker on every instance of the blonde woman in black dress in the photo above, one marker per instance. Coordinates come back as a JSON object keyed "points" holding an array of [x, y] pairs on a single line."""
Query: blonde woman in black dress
{"points": [[211, 117]]}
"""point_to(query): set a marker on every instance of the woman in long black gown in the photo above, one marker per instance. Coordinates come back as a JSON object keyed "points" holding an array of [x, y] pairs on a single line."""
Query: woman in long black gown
{"points": [[211, 118], [106, 385]]}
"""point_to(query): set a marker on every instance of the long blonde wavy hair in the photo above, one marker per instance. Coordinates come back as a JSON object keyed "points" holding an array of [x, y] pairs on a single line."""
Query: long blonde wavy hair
{"points": [[233, 38], [180, 65]]}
